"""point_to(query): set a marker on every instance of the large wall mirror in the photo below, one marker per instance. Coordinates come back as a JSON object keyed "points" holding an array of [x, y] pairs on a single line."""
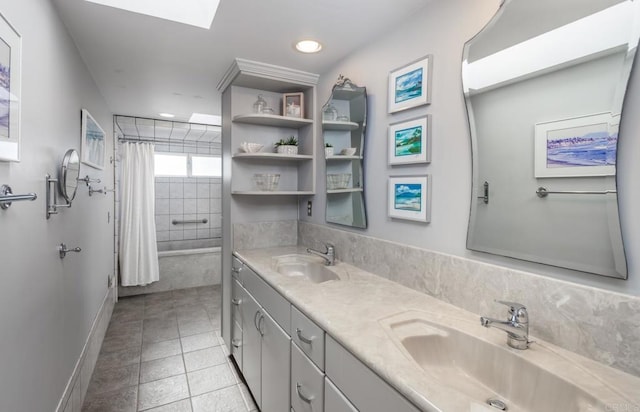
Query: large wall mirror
{"points": [[344, 122], [544, 84]]}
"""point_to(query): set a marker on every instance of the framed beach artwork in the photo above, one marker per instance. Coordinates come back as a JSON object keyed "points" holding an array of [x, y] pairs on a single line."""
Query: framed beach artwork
{"points": [[293, 105], [410, 141], [410, 198], [93, 142], [10, 91], [410, 85], [577, 147]]}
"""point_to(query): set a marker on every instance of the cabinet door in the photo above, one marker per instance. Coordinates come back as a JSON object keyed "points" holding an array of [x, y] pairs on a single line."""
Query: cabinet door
{"points": [[334, 400], [251, 345], [276, 363]]}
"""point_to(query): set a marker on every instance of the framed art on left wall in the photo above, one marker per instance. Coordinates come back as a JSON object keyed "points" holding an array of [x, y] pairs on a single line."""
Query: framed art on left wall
{"points": [[93, 142], [10, 91]]}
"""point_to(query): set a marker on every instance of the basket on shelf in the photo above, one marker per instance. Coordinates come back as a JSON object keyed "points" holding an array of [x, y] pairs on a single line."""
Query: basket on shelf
{"points": [[287, 149], [266, 182], [338, 181]]}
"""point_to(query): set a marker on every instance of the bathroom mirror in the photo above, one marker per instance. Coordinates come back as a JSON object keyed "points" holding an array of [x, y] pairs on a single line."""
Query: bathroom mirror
{"points": [[69, 173], [344, 120], [544, 84]]}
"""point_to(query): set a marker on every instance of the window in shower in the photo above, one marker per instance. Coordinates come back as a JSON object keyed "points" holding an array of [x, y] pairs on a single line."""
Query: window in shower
{"points": [[206, 166], [183, 165], [170, 165]]}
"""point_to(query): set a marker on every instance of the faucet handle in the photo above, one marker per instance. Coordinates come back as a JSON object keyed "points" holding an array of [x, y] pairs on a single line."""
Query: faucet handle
{"points": [[517, 310]]}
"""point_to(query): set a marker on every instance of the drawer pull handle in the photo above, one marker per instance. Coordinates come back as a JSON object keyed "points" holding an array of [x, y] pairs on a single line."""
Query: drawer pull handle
{"points": [[236, 302], [255, 319], [236, 270], [235, 343], [260, 329], [308, 341], [306, 398]]}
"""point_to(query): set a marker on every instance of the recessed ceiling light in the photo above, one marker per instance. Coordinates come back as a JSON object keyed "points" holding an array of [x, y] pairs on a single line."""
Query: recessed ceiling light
{"points": [[199, 13], [202, 118], [167, 115], [308, 46]]}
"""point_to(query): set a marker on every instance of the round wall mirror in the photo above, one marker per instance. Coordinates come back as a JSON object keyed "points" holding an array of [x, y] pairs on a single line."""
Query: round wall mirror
{"points": [[69, 173]]}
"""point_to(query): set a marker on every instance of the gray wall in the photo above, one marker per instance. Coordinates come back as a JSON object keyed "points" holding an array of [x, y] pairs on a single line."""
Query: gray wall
{"points": [[48, 304], [441, 29]]}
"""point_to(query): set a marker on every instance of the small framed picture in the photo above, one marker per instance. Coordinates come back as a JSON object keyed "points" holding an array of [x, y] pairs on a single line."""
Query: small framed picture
{"points": [[410, 85], [577, 147], [410, 141], [10, 91], [410, 198], [293, 105], [93, 142]]}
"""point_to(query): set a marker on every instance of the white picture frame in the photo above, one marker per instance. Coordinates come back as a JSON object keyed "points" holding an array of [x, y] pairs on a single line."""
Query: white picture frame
{"points": [[93, 144], [10, 91], [409, 198], [577, 147], [409, 141], [410, 85]]}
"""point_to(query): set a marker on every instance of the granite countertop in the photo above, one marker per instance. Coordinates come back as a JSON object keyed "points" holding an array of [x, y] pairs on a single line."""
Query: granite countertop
{"points": [[356, 311]]}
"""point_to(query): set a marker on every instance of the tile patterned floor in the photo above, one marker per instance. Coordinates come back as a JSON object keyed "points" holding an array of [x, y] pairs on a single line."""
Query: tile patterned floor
{"points": [[163, 353]]}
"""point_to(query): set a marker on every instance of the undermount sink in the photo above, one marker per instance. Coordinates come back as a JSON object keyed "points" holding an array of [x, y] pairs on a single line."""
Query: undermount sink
{"points": [[482, 370], [305, 267]]}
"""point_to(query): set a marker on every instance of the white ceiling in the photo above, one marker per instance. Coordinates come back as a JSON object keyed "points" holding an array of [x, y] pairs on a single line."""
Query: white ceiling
{"points": [[144, 65]]}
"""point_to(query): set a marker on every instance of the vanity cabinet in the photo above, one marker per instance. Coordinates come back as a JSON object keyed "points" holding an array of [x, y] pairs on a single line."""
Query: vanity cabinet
{"points": [[265, 357], [334, 400]]}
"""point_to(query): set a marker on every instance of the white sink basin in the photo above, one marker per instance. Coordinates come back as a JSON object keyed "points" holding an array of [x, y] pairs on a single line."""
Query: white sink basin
{"points": [[481, 369], [306, 267]]}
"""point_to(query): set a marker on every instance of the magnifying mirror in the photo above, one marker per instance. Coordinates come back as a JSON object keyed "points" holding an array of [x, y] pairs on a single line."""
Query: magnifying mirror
{"points": [[69, 173]]}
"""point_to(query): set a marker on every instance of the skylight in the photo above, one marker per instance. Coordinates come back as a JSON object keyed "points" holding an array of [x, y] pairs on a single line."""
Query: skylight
{"points": [[199, 13]]}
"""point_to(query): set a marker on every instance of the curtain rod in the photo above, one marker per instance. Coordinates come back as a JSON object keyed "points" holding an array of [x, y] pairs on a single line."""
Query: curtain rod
{"points": [[160, 140]]}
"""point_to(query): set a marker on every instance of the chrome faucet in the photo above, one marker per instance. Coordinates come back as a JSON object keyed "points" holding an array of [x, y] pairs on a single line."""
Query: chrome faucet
{"points": [[517, 326], [329, 256]]}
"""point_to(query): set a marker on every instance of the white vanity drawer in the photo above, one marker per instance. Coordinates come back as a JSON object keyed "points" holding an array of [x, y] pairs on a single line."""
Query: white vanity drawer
{"points": [[278, 307], [366, 390], [236, 268], [334, 400], [236, 343], [237, 295], [307, 383], [308, 336]]}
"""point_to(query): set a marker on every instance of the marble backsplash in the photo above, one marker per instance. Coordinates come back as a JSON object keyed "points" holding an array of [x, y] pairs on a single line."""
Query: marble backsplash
{"points": [[256, 235], [595, 323]]}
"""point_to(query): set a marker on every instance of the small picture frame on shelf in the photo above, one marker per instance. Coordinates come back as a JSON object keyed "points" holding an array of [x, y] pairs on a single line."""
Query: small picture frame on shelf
{"points": [[293, 105], [410, 85], [410, 141], [409, 198]]}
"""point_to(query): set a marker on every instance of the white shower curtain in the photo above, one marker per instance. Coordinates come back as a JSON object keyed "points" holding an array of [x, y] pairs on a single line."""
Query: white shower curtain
{"points": [[138, 250]]}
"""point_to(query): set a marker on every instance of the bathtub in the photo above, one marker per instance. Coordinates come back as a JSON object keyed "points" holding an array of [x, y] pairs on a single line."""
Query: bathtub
{"points": [[183, 264]]}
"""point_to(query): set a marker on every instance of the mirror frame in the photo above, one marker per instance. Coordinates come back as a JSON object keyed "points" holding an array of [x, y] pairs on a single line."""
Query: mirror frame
{"points": [[65, 176]]}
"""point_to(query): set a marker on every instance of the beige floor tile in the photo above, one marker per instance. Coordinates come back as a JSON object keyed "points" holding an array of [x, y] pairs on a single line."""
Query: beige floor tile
{"points": [[223, 400], [161, 368], [159, 329], [180, 406], [210, 379], [191, 327], [120, 343], [111, 379], [199, 341], [162, 392], [158, 350], [124, 400], [204, 358], [117, 359], [248, 399]]}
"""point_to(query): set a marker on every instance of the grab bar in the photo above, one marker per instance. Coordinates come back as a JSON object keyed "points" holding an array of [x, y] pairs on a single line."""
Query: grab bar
{"points": [[7, 196], [184, 222], [543, 192]]}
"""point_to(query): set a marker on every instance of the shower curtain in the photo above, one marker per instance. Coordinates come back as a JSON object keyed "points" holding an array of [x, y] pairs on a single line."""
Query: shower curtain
{"points": [[138, 250]]}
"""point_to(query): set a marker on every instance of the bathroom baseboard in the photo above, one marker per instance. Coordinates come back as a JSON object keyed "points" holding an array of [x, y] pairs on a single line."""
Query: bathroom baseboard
{"points": [[76, 388]]}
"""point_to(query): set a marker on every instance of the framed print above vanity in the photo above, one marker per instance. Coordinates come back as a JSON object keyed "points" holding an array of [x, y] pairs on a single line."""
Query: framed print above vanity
{"points": [[10, 91], [410, 85], [410, 141], [409, 198]]}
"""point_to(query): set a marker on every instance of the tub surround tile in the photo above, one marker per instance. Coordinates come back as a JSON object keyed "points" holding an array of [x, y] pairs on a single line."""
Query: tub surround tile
{"points": [[593, 322], [265, 234]]}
